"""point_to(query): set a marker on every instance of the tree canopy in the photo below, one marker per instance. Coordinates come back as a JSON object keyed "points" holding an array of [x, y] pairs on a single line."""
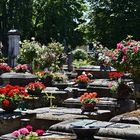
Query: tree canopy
{"points": [[112, 20], [109, 21], [45, 19]]}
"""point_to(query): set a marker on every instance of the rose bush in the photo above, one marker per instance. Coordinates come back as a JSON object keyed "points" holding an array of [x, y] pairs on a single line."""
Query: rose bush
{"points": [[126, 57]]}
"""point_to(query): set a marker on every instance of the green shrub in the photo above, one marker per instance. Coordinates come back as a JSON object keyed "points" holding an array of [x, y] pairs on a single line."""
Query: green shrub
{"points": [[80, 54]]}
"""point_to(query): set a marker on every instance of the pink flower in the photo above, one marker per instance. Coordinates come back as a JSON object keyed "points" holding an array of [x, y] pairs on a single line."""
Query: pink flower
{"points": [[29, 127], [114, 57], [24, 131], [135, 49], [110, 84], [124, 58], [40, 132], [128, 43], [124, 50], [119, 45], [16, 133]]}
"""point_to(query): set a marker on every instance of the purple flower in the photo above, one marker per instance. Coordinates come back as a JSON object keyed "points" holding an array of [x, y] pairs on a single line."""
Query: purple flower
{"points": [[16, 133]]}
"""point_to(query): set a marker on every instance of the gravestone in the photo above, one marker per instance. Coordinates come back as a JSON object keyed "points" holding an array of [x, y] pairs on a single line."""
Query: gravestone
{"points": [[13, 48]]}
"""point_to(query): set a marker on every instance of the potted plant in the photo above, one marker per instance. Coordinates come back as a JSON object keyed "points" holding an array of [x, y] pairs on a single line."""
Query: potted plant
{"points": [[10, 96], [123, 90], [27, 133], [60, 78], [82, 81], [21, 68], [126, 57], [35, 88], [46, 77], [115, 75], [88, 101], [4, 68]]}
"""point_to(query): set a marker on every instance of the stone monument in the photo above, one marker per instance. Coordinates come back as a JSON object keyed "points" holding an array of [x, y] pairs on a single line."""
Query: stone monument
{"points": [[13, 48]]}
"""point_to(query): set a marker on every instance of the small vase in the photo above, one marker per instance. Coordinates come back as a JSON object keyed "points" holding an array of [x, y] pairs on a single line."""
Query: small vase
{"points": [[10, 108]]}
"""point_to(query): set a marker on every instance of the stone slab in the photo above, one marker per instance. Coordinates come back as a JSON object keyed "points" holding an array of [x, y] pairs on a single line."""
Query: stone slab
{"points": [[63, 113], [11, 121], [107, 129], [21, 79], [130, 117]]}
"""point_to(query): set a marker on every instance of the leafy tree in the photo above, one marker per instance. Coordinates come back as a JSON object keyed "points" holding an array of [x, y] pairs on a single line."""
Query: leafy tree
{"points": [[113, 20], [58, 20]]}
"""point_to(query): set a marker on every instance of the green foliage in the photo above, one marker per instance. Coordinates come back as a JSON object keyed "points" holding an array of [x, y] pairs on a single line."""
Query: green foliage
{"points": [[112, 20], [80, 54], [45, 19], [50, 56], [29, 51], [79, 63]]}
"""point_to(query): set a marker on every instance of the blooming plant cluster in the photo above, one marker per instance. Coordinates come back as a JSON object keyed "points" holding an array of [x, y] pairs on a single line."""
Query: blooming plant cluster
{"points": [[12, 94], [4, 67], [45, 74], [35, 86], [88, 98], [82, 79], [59, 77], [115, 75], [21, 68], [27, 133], [122, 89], [126, 57]]}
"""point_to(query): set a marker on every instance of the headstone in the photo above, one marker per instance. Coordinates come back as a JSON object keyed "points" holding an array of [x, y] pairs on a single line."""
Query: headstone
{"points": [[70, 60], [13, 49]]}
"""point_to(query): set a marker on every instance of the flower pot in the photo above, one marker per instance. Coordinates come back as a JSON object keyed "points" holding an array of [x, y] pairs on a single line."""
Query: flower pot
{"points": [[34, 93], [82, 85], [88, 107], [10, 108], [47, 81]]}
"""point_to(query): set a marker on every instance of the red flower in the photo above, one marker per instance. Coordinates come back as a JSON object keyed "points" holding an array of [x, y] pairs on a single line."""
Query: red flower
{"points": [[82, 78], [29, 127], [36, 86], [40, 132], [115, 75], [88, 98], [6, 102]]}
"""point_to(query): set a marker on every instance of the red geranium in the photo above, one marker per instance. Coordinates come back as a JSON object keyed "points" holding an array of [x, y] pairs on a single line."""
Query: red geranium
{"points": [[115, 75], [12, 94], [5, 102], [88, 98], [82, 79], [35, 86]]}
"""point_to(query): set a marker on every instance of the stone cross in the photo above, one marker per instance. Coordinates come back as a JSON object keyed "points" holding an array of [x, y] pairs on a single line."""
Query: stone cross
{"points": [[13, 48]]}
